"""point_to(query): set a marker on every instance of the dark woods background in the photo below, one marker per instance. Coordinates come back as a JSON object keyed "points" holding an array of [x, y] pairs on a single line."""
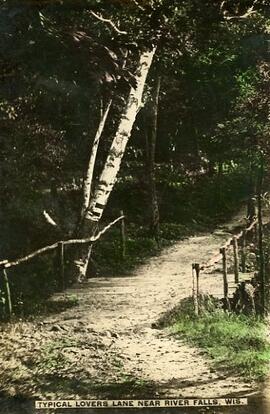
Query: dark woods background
{"points": [[196, 145]]}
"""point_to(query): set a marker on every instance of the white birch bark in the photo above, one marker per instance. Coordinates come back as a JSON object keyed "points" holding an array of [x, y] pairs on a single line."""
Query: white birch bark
{"points": [[112, 165], [87, 184], [117, 150]]}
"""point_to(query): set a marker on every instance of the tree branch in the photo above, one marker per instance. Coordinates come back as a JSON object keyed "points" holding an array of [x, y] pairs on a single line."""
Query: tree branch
{"points": [[102, 19], [138, 5], [94, 238], [49, 219], [250, 11]]}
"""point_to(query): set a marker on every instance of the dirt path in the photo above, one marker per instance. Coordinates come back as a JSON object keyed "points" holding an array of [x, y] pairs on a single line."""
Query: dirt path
{"points": [[88, 350]]}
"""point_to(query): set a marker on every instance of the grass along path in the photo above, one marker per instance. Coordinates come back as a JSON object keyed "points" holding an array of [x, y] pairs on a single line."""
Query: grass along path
{"points": [[236, 343]]}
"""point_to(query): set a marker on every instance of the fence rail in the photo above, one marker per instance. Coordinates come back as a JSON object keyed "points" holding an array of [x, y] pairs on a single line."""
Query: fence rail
{"points": [[222, 256], [60, 245]]}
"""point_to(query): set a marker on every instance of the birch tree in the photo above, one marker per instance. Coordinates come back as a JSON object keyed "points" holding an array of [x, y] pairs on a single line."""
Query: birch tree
{"points": [[97, 203], [87, 184]]}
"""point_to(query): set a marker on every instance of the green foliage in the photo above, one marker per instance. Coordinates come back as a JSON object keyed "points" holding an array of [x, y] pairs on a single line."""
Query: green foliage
{"points": [[248, 82], [236, 343]]}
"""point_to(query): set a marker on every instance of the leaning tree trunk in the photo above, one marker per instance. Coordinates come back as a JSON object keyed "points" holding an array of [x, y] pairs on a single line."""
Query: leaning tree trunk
{"points": [[110, 170], [151, 132], [88, 181]]}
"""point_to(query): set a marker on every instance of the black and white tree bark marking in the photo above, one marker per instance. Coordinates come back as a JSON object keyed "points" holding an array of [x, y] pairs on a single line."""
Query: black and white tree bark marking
{"points": [[87, 185], [98, 201], [117, 150]]}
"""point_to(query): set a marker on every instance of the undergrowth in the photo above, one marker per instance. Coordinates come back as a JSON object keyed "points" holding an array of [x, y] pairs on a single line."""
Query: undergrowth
{"points": [[187, 206], [236, 343]]}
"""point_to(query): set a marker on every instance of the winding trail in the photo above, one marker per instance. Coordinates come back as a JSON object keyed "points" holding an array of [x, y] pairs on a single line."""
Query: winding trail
{"points": [[108, 338]]}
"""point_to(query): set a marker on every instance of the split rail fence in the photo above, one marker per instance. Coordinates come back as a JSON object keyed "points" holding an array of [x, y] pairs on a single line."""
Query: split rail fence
{"points": [[60, 247], [222, 256]]}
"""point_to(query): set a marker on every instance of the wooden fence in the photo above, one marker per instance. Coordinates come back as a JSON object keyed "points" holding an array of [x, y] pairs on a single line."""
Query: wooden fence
{"points": [[222, 257], [60, 247]]}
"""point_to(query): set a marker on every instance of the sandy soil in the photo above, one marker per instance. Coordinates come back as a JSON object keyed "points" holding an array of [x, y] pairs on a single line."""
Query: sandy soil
{"points": [[109, 339]]}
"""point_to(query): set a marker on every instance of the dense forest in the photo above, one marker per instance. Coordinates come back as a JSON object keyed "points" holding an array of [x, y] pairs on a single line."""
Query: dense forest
{"points": [[159, 109]]}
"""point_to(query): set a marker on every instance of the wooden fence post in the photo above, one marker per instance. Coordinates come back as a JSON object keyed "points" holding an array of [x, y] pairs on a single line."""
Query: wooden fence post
{"points": [[195, 291], [236, 259], [225, 277], [123, 235], [61, 268], [7, 292], [197, 270], [244, 246], [196, 286]]}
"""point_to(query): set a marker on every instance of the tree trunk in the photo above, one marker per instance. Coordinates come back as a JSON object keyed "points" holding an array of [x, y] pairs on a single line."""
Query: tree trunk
{"points": [[260, 234], [251, 204], [151, 131], [87, 184], [110, 170]]}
